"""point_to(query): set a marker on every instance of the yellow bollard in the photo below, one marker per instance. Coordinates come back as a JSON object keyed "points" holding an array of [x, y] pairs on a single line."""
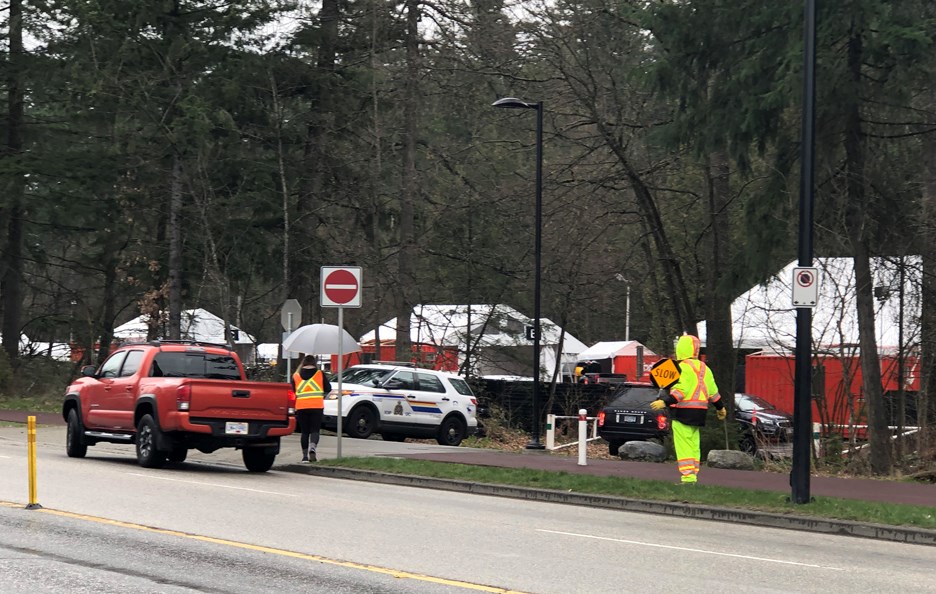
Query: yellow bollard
{"points": [[31, 454]]}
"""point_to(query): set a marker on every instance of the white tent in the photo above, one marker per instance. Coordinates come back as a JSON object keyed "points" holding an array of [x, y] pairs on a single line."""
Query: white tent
{"points": [[764, 317], [197, 324], [488, 327], [610, 350], [60, 351]]}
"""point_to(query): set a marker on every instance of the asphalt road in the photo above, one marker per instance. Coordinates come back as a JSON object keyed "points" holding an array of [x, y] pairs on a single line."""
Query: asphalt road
{"points": [[278, 531]]}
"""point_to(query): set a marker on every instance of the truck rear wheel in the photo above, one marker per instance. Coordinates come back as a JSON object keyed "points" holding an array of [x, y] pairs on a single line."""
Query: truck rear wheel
{"points": [[146, 439], [258, 459]]}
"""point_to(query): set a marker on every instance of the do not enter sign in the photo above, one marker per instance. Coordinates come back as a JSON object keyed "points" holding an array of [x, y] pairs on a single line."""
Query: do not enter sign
{"points": [[664, 373], [341, 286]]}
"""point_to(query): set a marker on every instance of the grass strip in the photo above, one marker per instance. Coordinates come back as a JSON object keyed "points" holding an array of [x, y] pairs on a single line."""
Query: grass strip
{"points": [[32, 404], [767, 501]]}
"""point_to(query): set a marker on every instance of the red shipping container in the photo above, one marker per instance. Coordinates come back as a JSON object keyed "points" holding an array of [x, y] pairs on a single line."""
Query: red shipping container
{"points": [[444, 358], [836, 380]]}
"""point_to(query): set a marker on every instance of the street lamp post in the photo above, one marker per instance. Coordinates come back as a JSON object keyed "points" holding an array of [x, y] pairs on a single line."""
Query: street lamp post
{"points": [[623, 279], [513, 103]]}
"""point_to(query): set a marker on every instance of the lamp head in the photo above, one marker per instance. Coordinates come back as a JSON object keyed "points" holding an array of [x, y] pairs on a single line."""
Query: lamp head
{"points": [[513, 103]]}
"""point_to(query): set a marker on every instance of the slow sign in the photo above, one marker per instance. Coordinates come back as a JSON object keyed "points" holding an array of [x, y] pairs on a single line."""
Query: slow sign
{"points": [[664, 373]]}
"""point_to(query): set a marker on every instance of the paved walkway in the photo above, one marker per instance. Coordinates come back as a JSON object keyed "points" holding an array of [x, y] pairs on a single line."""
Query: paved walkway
{"points": [[886, 491]]}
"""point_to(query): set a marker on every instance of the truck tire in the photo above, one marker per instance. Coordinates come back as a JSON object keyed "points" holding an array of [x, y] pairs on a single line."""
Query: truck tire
{"points": [[147, 438], [614, 447], [258, 459], [75, 445], [361, 422], [452, 431]]}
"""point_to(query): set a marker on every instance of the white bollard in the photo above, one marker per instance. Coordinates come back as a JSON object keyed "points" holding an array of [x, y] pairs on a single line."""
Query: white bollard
{"points": [[582, 437], [550, 432]]}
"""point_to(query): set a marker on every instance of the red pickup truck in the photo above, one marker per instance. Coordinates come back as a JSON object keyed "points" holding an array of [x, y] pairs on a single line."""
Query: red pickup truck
{"points": [[169, 397]]}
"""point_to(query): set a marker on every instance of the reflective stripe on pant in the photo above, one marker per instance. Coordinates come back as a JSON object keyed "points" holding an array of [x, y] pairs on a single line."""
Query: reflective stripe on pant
{"points": [[686, 439]]}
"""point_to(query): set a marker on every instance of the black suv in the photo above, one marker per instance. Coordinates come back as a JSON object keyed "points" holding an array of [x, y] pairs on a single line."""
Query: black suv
{"points": [[629, 417], [761, 423]]}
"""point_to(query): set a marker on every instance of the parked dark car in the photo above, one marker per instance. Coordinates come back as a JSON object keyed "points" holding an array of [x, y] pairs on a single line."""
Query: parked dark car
{"points": [[761, 423], [629, 417]]}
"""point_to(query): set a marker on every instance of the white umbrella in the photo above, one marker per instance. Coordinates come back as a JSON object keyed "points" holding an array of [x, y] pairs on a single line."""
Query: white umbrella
{"points": [[320, 339]]}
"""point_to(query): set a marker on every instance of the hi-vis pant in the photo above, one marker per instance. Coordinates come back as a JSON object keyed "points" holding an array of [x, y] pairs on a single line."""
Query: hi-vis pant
{"points": [[686, 439]]}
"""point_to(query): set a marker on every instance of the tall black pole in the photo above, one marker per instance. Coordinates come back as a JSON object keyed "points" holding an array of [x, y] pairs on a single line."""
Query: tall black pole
{"points": [[537, 250], [802, 401]]}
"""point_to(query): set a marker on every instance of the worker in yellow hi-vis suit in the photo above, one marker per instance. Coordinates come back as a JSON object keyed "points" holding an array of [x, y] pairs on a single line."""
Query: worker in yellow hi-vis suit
{"points": [[688, 400]]}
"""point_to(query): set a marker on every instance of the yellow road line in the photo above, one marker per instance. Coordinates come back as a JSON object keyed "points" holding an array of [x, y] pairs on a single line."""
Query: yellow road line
{"points": [[241, 545]]}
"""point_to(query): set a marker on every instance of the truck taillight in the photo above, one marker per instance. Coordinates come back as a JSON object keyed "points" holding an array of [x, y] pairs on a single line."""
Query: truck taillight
{"points": [[601, 417], [292, 402], [661, 422], [474, 401], [184, 397]]}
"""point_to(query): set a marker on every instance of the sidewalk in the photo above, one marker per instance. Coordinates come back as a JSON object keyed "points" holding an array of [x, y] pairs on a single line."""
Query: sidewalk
{"points": [[885, 491], [42, 418]]}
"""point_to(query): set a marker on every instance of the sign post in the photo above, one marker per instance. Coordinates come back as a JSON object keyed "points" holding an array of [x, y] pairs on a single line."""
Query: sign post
{"points": [[341, 288], [290, 317]]}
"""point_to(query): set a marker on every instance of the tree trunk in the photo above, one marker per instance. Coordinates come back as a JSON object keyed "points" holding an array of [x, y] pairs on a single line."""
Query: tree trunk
{"points": [[927, 236], [11, 217], [106, 322], [407, 255], [175, 250], [719, 350], [855, 222]]}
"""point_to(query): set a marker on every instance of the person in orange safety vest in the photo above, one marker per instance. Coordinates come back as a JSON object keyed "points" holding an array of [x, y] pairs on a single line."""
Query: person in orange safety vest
{"points": [[688, 401], [311, 386]]}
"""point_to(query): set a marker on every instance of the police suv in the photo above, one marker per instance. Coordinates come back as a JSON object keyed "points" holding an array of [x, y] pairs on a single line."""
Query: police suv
{"points": [[399, 401]]}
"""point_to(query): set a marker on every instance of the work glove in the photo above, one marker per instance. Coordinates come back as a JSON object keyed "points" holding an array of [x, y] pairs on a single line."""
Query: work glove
{"points": [[657, 405], [722, 413]]}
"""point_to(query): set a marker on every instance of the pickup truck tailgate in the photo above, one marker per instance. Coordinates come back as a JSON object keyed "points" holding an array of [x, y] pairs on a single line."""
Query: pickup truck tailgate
{"points": [[221, 399]]}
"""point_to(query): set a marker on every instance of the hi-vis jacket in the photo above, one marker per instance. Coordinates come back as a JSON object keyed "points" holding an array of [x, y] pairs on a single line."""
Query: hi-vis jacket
{"points": [[310, 393], [690, 396]]}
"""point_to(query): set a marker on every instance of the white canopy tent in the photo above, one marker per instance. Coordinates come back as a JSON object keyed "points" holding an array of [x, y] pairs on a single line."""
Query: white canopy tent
{"points": [[491, 331], [610, 350], [197, 324], [764, 317]]}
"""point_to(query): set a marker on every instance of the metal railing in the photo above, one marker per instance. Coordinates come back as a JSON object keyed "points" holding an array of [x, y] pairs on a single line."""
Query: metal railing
{"points": [[583, 432]]}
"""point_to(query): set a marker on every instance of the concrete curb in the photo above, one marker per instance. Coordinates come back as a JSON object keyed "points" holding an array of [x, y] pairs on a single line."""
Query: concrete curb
{"points": [[902, 534]]}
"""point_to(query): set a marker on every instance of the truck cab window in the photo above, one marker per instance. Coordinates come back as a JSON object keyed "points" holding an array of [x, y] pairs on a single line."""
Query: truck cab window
{"points": [[111, 367], [131, 363]]}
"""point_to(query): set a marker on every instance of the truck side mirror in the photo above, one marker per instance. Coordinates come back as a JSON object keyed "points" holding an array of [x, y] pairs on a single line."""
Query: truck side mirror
{"points": [[88, 370]]}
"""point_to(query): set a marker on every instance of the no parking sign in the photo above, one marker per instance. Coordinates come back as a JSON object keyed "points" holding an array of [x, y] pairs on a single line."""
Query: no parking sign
{"points": [[805, 287]]}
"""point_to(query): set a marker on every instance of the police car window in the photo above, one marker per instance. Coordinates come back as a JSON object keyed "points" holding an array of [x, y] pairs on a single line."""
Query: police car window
{"points": [[430, 383], [363, 375], [131, 364], [111, 367], [406, 379], [197, 365], [461, 386]]}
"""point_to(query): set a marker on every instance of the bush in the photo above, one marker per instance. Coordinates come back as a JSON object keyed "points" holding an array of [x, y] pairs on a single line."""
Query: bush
{"points": [[38, 383], [6, 372]]}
